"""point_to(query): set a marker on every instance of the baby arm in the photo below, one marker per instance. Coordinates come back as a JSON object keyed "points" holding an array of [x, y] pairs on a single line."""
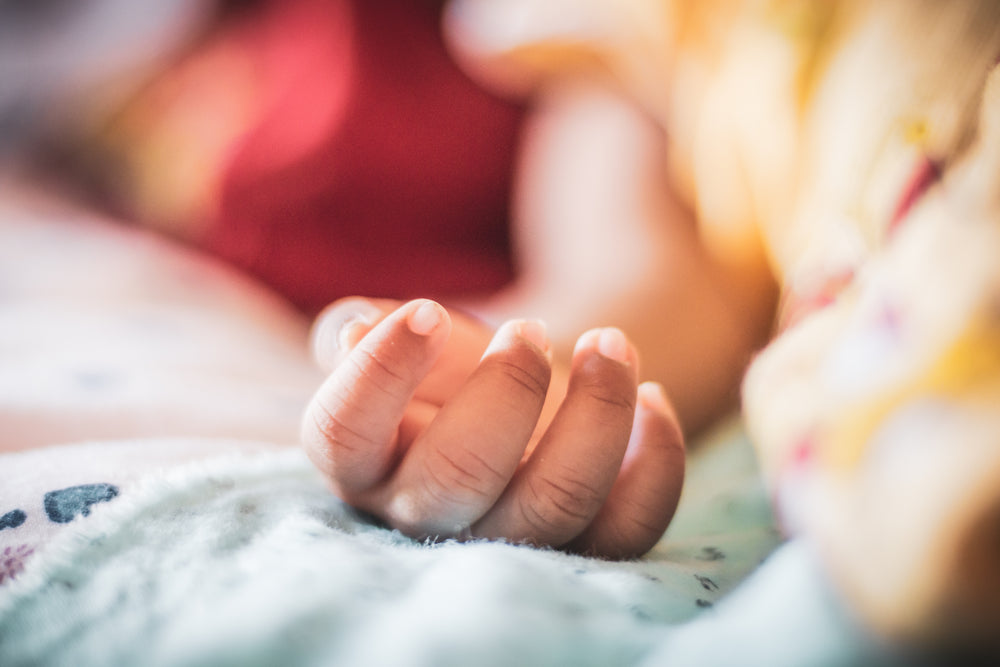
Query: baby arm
{"points": [[442, 430], [600, 236]]}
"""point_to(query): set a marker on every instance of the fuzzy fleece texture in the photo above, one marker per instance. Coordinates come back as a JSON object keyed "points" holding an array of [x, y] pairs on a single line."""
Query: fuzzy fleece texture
{"points": [[249, 560]]}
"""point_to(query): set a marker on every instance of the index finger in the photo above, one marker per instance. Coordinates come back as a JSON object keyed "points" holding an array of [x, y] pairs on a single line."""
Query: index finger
{"points": [[350, 427], [344, 323]]}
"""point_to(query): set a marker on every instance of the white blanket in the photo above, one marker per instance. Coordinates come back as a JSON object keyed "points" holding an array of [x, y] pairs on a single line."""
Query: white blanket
{"points": [[251, 561]]}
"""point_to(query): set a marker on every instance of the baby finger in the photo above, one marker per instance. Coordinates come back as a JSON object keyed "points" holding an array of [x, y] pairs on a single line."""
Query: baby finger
{"points": [[350, 427], [559, 490]]}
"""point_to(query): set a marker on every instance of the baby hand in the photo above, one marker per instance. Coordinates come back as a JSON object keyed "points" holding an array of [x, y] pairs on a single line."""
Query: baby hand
{"points": [[429, 423]]}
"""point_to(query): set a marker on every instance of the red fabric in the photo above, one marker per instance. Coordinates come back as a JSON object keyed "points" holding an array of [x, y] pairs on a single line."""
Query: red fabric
{"points": [[376, 167]]}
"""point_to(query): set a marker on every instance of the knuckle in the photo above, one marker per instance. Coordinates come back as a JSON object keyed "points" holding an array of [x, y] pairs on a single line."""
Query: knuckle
{"points": [[624, 542], [551, 503], [467, 470], [433, 507], [330, 439], [379, 371], [611, 541], [640, 524], [636, 540], [409, 516], [623, 534], [452, 490], [524, 369], [605, 383], [611, 395]]}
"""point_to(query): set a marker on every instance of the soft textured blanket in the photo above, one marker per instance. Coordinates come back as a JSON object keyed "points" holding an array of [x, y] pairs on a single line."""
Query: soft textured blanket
{"points": [[250, 560]]}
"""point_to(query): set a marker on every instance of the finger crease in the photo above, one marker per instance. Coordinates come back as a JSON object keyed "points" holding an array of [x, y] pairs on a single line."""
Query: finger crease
{"points": [[378, 378], [645, 526], [559, 501], [524, 378], [464, 476], [439, 489], [486, 465], [334, 429], [622, 404], [534, 517]]}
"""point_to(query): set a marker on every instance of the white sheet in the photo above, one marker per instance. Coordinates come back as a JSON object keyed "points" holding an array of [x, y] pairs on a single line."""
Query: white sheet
{"points": [[250, 560]]}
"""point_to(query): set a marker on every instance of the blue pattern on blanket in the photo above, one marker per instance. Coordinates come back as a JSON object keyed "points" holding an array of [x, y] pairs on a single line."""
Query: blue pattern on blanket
{"points": [[64, 505], [12, 519]]}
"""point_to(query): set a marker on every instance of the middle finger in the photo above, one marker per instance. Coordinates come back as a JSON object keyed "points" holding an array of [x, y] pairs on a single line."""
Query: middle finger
{"points": [[560, 489], [458, 467]]}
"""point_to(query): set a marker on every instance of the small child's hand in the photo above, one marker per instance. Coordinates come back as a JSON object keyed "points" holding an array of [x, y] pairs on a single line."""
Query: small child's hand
{"points": [[419, 426]]}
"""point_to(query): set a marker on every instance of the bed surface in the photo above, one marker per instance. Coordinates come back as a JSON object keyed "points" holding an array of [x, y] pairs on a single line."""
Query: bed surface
{"points": [[249, 560]]}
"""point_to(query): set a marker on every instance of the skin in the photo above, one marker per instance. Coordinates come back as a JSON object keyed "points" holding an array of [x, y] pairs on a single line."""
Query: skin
{"points": [[443, 430], [570, 450], [549, 438], [601, 237]]}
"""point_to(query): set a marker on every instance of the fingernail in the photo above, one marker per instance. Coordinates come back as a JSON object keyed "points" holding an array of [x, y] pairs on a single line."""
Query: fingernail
{"points": [[512, 332], [611, 343], [344, 324], [654, 396], [425, 318], [338, 332], [352, 331], [535, 332]]}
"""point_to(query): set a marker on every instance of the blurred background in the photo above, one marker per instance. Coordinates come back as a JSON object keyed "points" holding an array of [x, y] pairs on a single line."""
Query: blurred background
{"points": [[229, 123]]}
